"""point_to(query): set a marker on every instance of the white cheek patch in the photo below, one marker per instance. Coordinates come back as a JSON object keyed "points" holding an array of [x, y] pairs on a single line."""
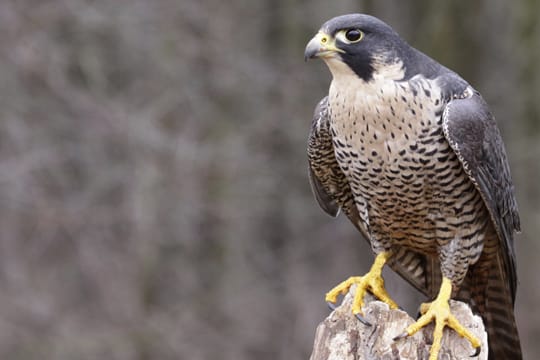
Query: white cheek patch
{"points": [[385, 71]]}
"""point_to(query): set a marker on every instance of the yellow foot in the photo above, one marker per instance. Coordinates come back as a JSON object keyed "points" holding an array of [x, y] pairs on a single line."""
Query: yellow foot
{"points": [[372, 281], [439, 311]]}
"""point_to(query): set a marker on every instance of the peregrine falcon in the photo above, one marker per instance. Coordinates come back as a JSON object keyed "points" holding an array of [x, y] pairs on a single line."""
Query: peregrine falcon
{"points": [[411, 154]]}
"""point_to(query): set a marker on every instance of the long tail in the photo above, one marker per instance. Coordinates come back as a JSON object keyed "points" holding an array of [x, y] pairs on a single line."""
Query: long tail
{"points": [[494, 300]]}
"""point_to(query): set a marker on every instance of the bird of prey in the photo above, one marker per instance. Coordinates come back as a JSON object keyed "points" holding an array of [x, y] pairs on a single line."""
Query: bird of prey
{"points": [[411, 154]]}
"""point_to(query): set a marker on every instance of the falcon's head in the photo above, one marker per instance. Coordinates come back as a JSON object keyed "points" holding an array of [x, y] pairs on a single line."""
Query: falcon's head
{"points": [[363, 44]]}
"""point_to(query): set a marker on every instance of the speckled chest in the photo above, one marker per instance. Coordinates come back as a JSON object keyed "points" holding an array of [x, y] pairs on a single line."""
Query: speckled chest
{"points": [[389, 142]]}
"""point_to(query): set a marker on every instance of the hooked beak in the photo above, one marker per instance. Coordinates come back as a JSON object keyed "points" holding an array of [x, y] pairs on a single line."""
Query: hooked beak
{"points": [[321, 46]]}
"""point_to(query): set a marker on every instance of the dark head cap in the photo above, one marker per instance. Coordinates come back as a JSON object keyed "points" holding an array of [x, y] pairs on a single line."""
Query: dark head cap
{"points": [[365, 44], [366, 23]]}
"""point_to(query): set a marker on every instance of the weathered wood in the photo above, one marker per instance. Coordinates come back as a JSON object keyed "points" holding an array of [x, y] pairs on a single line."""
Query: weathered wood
{"points": [[342, 337]]}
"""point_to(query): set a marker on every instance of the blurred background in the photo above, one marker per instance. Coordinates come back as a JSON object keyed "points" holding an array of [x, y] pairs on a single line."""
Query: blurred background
{"points": [[154, 200]]}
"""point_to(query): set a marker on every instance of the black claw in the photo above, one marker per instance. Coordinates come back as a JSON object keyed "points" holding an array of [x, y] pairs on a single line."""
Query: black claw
{"points": [[331, 305], [401, 336], [477, 351], [362, 319]]}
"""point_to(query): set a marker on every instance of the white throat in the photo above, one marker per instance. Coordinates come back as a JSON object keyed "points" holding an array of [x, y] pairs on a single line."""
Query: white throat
{"points": [[381, 70], [346, 83]]}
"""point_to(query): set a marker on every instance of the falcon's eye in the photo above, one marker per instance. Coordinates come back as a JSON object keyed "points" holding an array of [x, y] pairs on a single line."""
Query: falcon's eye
{"points": [[350, 36], [353, 35]]}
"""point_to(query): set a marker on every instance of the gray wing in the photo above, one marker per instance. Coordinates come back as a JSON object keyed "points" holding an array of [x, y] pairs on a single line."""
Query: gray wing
{"points": [[332, 191], [327, 181], [472, 133]]}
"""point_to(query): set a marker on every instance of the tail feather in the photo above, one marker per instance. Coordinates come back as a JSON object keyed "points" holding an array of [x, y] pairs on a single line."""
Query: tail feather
{"points": [[502, 330], [494, 300]]}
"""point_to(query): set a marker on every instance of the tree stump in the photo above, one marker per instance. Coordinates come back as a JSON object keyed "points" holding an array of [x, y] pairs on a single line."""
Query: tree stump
{"points": [[343, 337]]}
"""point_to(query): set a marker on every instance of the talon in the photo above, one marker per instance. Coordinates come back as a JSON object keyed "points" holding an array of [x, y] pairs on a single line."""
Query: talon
{"points": [[477, 351], [372, 282], [401, 336], [439, 312], [362, 319], [331, 305]]}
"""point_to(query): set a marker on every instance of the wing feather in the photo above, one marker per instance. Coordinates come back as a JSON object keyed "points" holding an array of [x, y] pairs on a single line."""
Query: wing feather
{"points": [[472, 133]]}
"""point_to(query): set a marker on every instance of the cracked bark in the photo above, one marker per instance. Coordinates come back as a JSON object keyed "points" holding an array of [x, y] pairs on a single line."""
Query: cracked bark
{"points": [[342, 337]]}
